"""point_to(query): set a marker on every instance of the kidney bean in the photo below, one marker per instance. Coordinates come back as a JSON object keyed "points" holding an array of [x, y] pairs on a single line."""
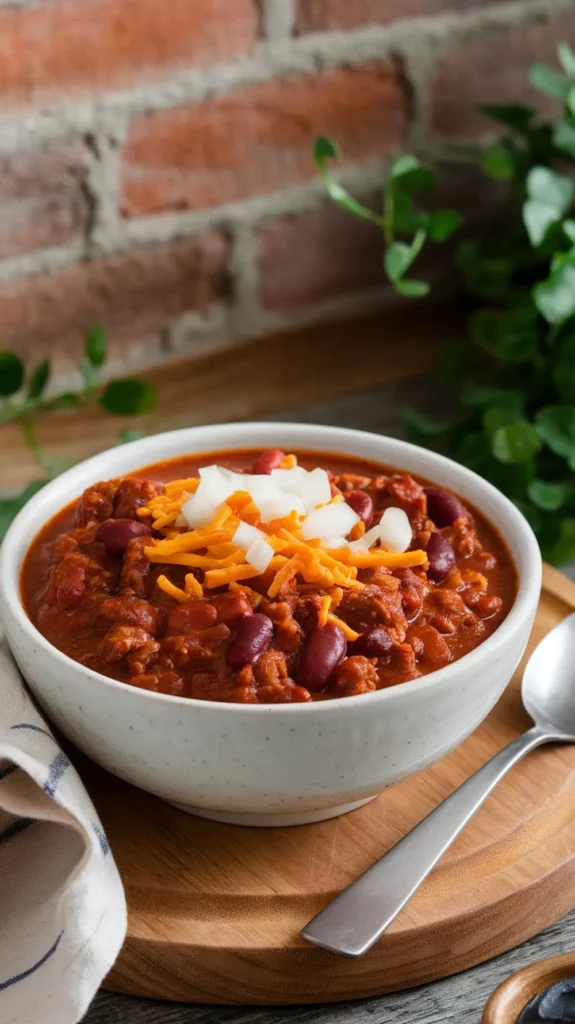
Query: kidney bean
{"points": [[253, 637], [325, 647], [232, 606], [441, 558], [374, 643], [116, 534], [268, 460], [443, 507], [362, 504]]}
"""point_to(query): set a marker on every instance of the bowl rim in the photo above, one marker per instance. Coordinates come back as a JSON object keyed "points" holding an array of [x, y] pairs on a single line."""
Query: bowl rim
{"points": [[528, 588]]}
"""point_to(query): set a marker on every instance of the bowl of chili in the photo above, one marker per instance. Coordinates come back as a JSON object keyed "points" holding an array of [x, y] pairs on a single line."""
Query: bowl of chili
{"points": [[268, 636]]}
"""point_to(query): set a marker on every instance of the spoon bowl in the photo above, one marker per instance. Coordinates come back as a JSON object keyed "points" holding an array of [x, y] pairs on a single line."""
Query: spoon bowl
{"points": [[548, 687]]}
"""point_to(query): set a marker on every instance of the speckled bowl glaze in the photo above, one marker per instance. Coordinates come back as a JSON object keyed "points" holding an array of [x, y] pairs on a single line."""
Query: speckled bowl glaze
{"points": [[277, 764]]}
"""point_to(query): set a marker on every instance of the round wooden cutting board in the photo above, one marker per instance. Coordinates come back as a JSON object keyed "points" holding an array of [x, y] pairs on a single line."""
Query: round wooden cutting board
{"points": [[215, 911]]}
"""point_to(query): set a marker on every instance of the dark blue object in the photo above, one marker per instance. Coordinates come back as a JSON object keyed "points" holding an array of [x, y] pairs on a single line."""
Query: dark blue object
{"points": [[555, 1004]]}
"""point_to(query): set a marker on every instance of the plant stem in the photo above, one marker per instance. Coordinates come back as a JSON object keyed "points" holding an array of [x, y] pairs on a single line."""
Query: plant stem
{"points": [[35, 447]]}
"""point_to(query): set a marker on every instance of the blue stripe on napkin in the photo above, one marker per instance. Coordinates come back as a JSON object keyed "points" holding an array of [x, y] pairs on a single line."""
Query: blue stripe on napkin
{"points": [[26, 974], [15, 828], [55, 773]]}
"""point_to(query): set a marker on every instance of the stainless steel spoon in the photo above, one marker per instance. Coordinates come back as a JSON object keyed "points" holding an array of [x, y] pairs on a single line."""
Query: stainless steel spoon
{"points": [[355, 919]]}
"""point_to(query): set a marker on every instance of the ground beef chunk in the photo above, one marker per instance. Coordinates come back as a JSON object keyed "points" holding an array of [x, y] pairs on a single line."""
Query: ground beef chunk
{"points": [[355, 675], [185, 651], [447, 612], [306, 611], [432, 649], [160, 682], [74, 579], [375, 605], [351, 482], [220, 686], [130, 611], [97, 503], [121, 641], [135, 569], [139, 659], [287, 633], [413, 589], [402, 666], [232, 606], [272, 678], [401, 491], [133, 494], [463, 538], [192, 616]]}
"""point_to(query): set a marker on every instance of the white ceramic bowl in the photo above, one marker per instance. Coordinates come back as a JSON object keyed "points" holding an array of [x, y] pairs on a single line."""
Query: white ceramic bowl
{"points": [[276, 764]]}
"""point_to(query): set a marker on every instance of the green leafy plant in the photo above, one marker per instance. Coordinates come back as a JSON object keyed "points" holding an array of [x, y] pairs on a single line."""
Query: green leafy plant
{"points": [[515, 369], [23, 400]]}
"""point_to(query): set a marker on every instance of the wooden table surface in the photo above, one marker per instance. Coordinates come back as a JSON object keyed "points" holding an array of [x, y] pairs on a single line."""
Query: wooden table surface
{"points": [[457, 1000]]}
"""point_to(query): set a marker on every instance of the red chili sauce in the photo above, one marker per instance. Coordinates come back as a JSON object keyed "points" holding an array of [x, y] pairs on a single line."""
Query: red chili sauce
{"points": [[101, 604]]}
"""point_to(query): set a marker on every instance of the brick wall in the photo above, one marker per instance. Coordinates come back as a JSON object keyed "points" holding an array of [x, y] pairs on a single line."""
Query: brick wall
{"points": [[155, 168]]}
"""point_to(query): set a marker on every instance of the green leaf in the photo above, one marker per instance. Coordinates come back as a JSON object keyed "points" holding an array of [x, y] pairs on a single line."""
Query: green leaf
{"points": [[499, 161], [502, 398], [564, 548], [495, 417], [556, 426], [549, 496], [564, 136], [10, 507], [564, 368], [407, 220], [323, 149], [548, 80], [11, 373], [550, 188], [473, 450], [39, 379], [443, 223], [409, 176], [515, 442], [398, 257], [129, 397], [67, 400], [516, 116], [128, 434], [451, 361], [531, 513], [421, 424], [508, 336], [569, 229], [570, 99], [538, 218], [96, 346], [566, 59], [555, 297], [412, 289]]}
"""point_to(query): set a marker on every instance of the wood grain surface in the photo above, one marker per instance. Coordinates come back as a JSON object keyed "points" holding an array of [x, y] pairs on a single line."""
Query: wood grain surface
{"points": [[513, 995], [253, 380], [215, 911]]}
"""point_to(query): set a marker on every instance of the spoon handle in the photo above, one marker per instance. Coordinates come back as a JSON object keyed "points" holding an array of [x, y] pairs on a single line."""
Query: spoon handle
{"points": [[356, 918]]}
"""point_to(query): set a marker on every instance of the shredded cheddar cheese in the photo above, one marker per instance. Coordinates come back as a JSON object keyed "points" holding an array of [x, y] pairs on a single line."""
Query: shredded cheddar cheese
{"points": [[348, 632], [224, 563], [324, 607]]}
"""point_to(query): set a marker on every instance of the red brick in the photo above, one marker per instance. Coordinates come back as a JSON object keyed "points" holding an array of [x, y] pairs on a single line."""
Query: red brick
{"points": [[317, 255], [133, 294], [43, 199], [258, 139], [334, 15], [57, 47], [493, 69]]}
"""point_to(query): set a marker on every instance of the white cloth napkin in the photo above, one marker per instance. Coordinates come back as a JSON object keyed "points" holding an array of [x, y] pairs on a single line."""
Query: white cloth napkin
{"points": [[62, 905]]}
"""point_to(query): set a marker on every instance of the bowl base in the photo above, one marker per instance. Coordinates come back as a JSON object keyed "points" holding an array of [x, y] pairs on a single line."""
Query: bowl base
{"points": [[272, 820]]}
